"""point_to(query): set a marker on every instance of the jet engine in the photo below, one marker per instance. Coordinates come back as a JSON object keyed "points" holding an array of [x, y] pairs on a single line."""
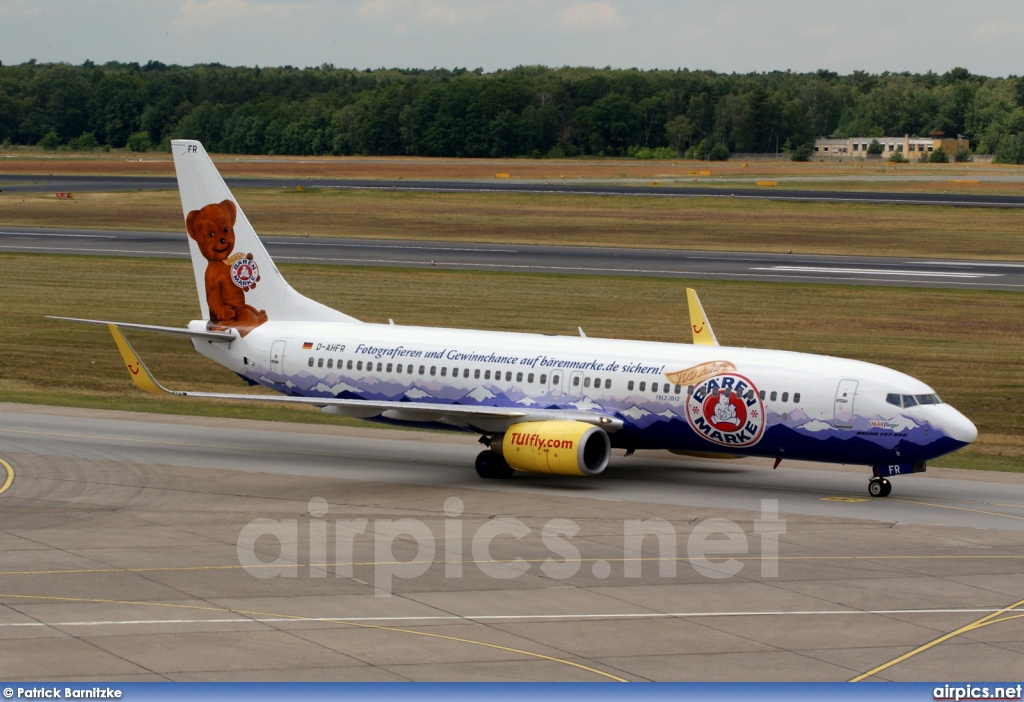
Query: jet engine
{"points": [[560, 447]]}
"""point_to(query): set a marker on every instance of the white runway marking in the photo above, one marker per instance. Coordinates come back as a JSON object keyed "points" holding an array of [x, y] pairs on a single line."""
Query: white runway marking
{"points": [[876, 271]]}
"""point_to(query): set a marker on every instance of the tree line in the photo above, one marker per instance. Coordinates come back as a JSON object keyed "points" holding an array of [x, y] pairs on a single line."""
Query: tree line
{"points": [[531, 111]]}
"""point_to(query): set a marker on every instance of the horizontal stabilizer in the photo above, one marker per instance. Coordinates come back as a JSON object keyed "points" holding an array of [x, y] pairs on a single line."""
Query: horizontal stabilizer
{"points": [[221, 336]]}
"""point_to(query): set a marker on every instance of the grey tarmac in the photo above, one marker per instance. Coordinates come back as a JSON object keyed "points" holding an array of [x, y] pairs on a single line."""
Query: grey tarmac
{"points": [[121, 558]]}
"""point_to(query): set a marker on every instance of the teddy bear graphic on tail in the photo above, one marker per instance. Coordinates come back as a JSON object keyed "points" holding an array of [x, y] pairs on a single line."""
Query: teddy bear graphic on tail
{"points": [[228, 276]]}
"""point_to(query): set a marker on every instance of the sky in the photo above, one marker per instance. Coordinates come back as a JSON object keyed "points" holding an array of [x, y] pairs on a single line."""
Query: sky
{"points": [[985, 36]]}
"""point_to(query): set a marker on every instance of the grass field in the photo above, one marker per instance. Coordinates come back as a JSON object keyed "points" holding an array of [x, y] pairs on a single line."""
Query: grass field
{"points": [[966, 344], [677, 223]]}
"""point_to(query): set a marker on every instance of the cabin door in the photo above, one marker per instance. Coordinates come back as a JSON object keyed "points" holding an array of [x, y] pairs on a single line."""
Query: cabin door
{"points": [[277, 357], [844, 411]]}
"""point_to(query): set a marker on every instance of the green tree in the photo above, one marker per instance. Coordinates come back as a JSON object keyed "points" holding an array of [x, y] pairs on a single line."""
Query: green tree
{"points": [[139, 141], [50, 141], [939, 155], [85, 142], [875, 148]]}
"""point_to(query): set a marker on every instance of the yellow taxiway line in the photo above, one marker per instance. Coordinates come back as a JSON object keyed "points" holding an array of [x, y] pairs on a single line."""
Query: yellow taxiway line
{"points": [[976, 624], [10, 476], [300, 618]]}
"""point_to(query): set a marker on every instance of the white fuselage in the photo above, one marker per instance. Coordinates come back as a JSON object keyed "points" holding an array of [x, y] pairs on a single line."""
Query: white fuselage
{"points": [[684, 397]]}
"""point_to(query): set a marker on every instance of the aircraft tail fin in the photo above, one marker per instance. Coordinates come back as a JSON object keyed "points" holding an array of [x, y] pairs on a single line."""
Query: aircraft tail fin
{"points": [[239, 286], [699, 324]]}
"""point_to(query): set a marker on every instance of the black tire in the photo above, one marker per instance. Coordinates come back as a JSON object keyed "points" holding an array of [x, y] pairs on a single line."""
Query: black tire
{"points": [[876, 487], [886, 487], [491, 466]]}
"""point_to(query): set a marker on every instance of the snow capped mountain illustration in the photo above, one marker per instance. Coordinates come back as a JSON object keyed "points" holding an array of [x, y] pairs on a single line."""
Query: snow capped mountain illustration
{"points": [[416, 394], [816, 425], [480, 394], [335, 389], [634, 412]]}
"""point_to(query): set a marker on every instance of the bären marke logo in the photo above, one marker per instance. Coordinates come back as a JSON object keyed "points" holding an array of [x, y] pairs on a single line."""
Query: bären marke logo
{"points": [[245, 273], [726, 409]]}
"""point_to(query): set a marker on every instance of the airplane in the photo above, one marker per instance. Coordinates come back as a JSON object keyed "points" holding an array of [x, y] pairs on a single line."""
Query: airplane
{"points": [[540, 403]]}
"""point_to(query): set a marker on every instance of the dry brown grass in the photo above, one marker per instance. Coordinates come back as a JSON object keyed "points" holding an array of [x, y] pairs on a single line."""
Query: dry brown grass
{"points": [[678, 223], [967, 345], [821, 175]]}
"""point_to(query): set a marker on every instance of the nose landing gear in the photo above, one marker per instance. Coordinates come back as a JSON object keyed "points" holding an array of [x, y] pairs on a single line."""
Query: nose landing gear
{"points": [[879, 487]]}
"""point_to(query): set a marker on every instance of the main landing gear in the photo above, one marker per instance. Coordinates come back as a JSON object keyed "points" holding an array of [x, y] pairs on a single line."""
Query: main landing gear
{"points": [[877, 487], [492, 466]]}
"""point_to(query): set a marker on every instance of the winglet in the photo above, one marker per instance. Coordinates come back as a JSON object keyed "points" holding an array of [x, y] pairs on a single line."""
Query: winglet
{"points": [[140, 375], [699, 324]]}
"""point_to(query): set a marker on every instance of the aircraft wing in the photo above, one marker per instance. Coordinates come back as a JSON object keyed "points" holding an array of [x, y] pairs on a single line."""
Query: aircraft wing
{"points": [[487, 419]]}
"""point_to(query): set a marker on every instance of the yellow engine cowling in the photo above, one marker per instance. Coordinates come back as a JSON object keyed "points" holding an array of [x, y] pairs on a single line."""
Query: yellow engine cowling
{"points": [[556, 446]]}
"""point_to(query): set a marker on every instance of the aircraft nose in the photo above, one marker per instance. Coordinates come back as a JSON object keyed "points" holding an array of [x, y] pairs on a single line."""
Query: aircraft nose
{"points": [[960, 428]]}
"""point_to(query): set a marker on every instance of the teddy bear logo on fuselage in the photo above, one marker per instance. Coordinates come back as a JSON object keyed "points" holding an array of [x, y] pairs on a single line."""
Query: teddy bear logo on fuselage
{"points": [[228, 276]]}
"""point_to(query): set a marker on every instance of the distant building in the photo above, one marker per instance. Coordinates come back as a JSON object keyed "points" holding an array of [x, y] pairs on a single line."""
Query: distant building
{"points": [[910, 147]]}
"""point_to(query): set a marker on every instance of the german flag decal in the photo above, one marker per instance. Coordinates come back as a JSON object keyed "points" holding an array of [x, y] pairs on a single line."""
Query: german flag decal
{"points": [[307, 345]]}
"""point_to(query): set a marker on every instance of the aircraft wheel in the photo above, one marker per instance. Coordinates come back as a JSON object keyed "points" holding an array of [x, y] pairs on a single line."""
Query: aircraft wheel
{"points": [[886, 487], [876, 487], [492, 466]]}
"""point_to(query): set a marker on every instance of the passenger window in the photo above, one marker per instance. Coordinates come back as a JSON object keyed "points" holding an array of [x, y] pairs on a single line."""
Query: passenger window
{"points": [[380, 367], [643, 386], [422, 369], [586, 382], [433, 370], [359, 366], [678, 389], [444, 371], [349, 365], [543, 378], [508, 376], [519, 377], [476, 374], [529, 378], [330, 363], [487, 375], [389, 368], [629, 385], [773, 395], [689, 389], [607, 383], [796, 397], [576, 381], [556, 380], [761, 395], [310, 361], [320, 364], [785, 397]]}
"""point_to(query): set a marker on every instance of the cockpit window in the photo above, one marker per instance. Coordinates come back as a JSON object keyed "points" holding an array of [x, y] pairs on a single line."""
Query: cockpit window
{"points": [[912, 400]]}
